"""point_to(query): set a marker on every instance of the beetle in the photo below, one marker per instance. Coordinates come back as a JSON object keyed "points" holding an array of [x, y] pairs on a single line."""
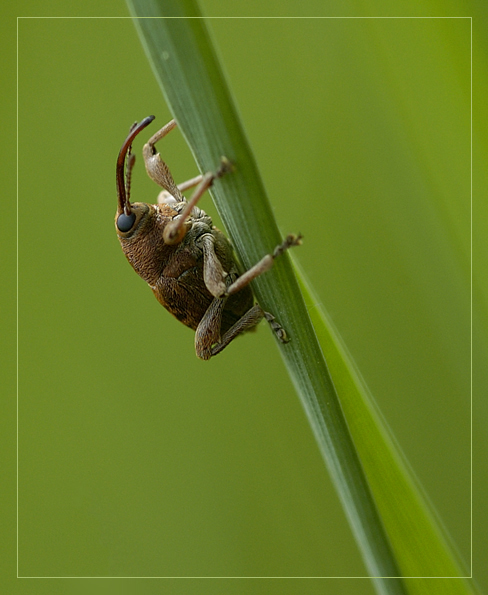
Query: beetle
{"points": [[188, 263]]}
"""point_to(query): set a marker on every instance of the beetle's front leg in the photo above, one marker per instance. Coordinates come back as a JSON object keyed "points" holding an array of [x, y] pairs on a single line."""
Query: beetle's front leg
{"points": [[156, 168], [173, 231], [164, 194]]}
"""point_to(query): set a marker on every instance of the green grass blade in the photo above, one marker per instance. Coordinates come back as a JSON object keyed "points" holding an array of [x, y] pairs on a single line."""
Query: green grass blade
{"points": [[184, 62], [422, 547]]}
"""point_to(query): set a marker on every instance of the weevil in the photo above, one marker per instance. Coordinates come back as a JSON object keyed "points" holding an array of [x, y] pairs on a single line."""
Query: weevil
{"points": [[188, 263]]}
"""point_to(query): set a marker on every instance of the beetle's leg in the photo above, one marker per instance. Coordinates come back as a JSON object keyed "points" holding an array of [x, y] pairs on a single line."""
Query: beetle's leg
{"points": [[276, 327], [258, 269], [164, 194], [156, 168], [157, 136], [159, 172], [250, 319], [213, 272], [172, 231], [263, 265], [207, 338], [208, 341], [208, 329]]}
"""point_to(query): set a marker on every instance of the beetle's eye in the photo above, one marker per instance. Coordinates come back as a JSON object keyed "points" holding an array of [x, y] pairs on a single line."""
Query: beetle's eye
{"points": [[125, 222]]}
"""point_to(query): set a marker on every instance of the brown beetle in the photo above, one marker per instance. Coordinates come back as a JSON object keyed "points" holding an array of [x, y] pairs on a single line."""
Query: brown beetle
{"points": [[188, 263]]}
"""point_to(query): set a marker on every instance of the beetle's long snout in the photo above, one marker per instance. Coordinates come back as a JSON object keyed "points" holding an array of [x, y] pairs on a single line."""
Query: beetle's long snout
{"points": [[122, 194]]}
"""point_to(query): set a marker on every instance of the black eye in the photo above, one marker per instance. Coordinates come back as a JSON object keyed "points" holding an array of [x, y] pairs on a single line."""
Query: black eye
{"points": [[125, 222]]}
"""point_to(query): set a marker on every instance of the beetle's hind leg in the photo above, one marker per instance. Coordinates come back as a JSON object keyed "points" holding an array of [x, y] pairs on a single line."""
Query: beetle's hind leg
{"points": [[208, 341], [276, 327]]}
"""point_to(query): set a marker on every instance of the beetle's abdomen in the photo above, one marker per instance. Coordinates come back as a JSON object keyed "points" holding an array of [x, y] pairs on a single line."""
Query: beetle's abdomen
{"points": [[187, 298]]}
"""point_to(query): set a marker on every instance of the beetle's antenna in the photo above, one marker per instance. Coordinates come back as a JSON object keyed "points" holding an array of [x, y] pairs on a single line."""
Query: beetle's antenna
{"points": [[123, 187]]}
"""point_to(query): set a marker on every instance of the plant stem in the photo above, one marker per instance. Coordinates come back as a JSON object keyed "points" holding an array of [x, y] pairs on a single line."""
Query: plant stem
{"points": [[185, 64]]}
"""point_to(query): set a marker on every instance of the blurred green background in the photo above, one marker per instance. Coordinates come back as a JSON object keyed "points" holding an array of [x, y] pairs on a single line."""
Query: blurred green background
{"points": [[135, 458]]}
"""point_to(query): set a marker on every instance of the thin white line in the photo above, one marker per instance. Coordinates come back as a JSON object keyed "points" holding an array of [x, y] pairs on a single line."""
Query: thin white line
{"points": [[17, 293], [274, 17], [471, 301], [471, 285], [250, 577]]}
